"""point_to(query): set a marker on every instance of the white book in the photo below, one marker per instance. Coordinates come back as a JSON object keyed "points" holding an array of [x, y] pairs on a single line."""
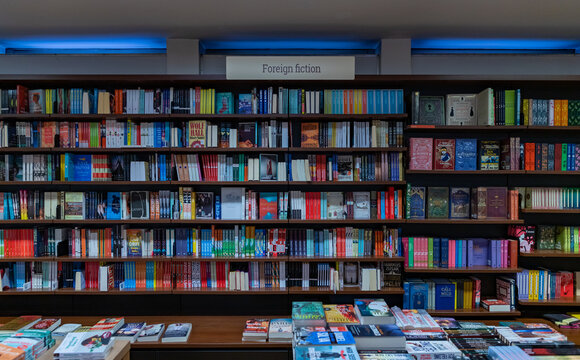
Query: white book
{"points": [[232, 199]]}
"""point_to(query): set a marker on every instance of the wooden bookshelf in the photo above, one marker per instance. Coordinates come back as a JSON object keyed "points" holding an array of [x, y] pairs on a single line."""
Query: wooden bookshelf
{"points": [[230, 259], [224, 291], [69, 291], [549, 254], [464, 270], [346, 221], [349, 259], [451, 128], [346, 183], [346, 149], [552, 172], [465, 221], [28, 258], [473, 313], [573, 301], [346, 117], [550, 211], [344, 291]]}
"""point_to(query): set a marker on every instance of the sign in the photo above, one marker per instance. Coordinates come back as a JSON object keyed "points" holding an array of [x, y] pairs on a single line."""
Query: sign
{"points": [[290, 67]]}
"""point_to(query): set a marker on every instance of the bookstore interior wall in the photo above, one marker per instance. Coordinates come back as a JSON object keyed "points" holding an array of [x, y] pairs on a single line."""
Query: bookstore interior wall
{"points": [[198, 195]]}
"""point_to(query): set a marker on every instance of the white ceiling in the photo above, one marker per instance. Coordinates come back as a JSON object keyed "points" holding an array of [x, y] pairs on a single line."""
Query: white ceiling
{"points": [[243, 19]]}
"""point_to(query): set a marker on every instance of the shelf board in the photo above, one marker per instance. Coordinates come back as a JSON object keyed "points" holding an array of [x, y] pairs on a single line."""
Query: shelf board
{"points": [[451, 128], [110, 222], [228, 183], [347, 149], [227, 150], [25, 259], [471, 313], [111, 259], [551, 172], [86, 117], [125, 149], [113, 292], [348, 116], [27, 292], [230, 259], [111, 183], [573, 301], [361, 258], [550, 211], [345, 291], [224, 291], [25, 183], [347, 221], [346, 183], [549, 254], [553, 128], [219, 222], [464, 270], [25, 222], [467, 172], [465, 221]]}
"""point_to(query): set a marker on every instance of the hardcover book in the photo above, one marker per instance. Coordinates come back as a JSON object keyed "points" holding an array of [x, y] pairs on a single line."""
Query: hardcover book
{"points": [[459, 203], [245, 104], [340, 314], [489, 155], [444, 295], [546, 237], [335, 202], [204, 205], [224, 103], [309, 135], [74, 206], [431, 110], [268, 205], [461, 110], [496, 202], [196, 133], [444, 154], [139, 204], [421, 154], [466, 154], [268, 167], [247, 135], [344, 165], [438, 202], [417, 202]]}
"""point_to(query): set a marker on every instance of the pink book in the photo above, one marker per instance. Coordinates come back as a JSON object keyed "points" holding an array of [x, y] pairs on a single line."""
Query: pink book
{"points": [[421, 154], [451, 259], [406, 250], [422, 252], [504, 255], [425, 252]]}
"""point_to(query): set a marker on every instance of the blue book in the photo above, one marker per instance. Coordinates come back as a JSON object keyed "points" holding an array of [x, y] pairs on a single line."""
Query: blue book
{"points": [[480, 252], [218, 207], [444, 294], [470, 252], [444, 253], [465, 154], [113, 206], [464, 253], [406, 295], [419, 294], [82, 167], [458, 256], [393, 102], [436, 252]]}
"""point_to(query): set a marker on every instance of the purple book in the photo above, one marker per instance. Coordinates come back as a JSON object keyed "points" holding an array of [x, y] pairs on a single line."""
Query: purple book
{"points": [[496, 202], [480, 252], [491, 252], [464, 253], [470, 252]]}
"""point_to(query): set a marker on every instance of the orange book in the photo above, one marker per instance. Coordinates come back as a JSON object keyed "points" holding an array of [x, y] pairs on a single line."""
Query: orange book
{"points": [[557, 112], [530, 156], [564, 106], [364, 101], [83, 243], [344, 101], [350, 101], [309, 135]]}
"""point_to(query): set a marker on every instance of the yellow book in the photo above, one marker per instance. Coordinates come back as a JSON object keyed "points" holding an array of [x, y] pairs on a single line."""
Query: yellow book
{"points": [[192, 204], [340, 315], [557, 112], [576, 240], [564, 105], [181, 213], [525, 111], [213, 101]]}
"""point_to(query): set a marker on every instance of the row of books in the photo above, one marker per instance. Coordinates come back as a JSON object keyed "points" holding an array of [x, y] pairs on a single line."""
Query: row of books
{"points": [[465, 154], [346, 134], [493, 107], [200, 101], [384, 166], [461, 203], [346, 205], [552, 198], [343, 242], [442, 294], [434, 252], [544, 284], [552, 157]]}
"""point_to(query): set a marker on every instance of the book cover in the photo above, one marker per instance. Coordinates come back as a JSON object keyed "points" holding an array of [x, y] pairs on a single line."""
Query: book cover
{"points": [[489, 155], [421, 154], [74, 205], [134, 242], [196, 133], [113, 205], [438, 202], [151, 332], [431, 110], [268, 167], [381, 331], [309, 135], [233, 206], [247, 135], [344, 165], [444, 154], [372, 307], [224, 102], [139, 204], [342, 352], [496, 202], [245, 104], [465, 154], [178, 332], [461, 110], [417, 202], [335, 205], [307, 310], [82, 165], [436, 349], [204, 205], [479, 251], [256, 327], [36, 101], [340, 314], [444, 295], [362, 208], [268, 205], [546, 237], [459, 203]]}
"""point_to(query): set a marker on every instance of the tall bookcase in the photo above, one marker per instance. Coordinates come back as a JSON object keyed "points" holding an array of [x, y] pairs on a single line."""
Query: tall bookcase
{"points": [[276, 301]]}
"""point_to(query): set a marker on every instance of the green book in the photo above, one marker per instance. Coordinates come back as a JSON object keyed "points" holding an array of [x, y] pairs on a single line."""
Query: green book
{"points": [[564, 157], [546, 237], [438, 204], [430, 252], [411, 252], [510, 106]]}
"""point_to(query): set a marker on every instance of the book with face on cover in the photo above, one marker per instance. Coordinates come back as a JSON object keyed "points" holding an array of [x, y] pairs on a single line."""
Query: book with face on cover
{"points": [[151, 332], [340, 314], [178, 332], [130, 331], [373, 311]]}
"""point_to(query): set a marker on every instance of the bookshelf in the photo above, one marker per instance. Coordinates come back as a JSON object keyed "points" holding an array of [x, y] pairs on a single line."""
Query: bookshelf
{"points": [[535, 86], [474, 313]]}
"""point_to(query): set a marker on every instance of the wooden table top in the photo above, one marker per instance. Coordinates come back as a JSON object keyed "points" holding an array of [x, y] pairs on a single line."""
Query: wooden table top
{"points": [[120, 351]]}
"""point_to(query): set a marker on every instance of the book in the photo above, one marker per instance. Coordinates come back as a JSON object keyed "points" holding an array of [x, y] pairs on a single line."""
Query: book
{"points": [[362, 208], [344, 165], [151, 332], [438, 202], [496, 202], [459, 203], [224, 102], [280, 330], [417, 198], [343, 352], [46, 324], [461, 110], [204, 205], [130, 331], [268, 167], [420, 154], [308, 313], [444, 154], [247, 135], [74, 206], [80, 344], [432, 349], [465, 154], [20, 323], [309, 135], [256, 330], [108, 324], [177, 332], [493, 305], [489, 155], [232, 203], [373, 311], [268, 205], [113, 211], [340, 314], [431, 110], [378, 337], [139, 204], [378, 355], [484, 103], [64, 329], [196, 133], [244, 104]]}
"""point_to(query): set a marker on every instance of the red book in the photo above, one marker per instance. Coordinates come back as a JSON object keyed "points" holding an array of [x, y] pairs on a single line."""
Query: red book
{"points": [[513, 253], [391, 202], [496, 202], [421, 154], [444, 154], [364, 101], [530, 156], [567, 287], [21, 99], [558, 157]]}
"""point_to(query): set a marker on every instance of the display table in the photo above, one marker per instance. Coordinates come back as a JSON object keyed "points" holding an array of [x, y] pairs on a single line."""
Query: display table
{"points": [[120, 351]]}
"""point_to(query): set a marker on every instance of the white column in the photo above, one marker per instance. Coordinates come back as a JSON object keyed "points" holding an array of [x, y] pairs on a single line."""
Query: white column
{"points": [[183, 56], [395, 57]]}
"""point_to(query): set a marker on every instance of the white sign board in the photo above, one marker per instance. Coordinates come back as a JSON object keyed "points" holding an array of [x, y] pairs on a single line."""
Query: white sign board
{"points": [[290, 67]]}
